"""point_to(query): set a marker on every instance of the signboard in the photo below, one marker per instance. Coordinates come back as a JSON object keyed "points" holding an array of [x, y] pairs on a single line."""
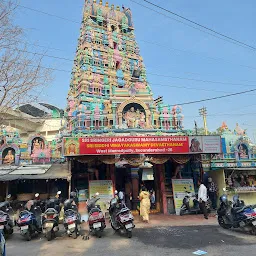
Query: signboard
{"points": [[105, 190], [211, 144], [179, 187], [100, 145], [205, 144], [147, 174]]}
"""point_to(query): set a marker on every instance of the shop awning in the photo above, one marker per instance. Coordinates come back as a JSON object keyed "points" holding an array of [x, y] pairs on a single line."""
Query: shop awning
{"points": [[38, 172]]}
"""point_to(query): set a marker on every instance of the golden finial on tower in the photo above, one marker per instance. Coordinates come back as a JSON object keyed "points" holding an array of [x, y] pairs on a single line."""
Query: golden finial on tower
{"points": [[118, 8], [100, 2], [106, 4]]}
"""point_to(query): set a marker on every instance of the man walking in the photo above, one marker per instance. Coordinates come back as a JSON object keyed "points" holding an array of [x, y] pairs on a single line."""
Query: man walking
{"points": [[202, 197], [212, 189]]}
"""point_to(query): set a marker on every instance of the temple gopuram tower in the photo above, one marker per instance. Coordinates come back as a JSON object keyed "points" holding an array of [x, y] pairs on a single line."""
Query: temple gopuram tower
{"points": [[109, 88]]}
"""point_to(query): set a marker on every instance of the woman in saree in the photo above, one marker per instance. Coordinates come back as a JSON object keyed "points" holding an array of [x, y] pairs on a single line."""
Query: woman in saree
{"points": [[144, 204]]}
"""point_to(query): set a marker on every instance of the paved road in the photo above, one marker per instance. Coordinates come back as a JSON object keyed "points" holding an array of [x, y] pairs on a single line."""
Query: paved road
{"points": [[175, 241]]}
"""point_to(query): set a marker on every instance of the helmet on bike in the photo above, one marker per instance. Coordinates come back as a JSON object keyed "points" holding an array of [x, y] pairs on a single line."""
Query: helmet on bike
{"points": [[236, 198], [73, 194], [223, 199]]}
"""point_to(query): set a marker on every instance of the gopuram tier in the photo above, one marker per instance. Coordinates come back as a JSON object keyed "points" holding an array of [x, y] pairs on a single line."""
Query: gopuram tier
{"points": [[109, 90]]}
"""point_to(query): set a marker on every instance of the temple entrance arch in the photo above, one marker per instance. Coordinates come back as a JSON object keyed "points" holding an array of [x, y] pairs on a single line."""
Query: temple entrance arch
{"points": [[133, 114]]}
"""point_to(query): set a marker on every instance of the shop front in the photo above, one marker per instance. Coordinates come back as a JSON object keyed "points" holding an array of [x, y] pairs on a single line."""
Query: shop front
{"points": [[235, 168], [130, 162]]}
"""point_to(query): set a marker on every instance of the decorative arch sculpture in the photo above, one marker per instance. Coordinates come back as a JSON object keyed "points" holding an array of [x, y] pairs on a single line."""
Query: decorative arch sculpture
{"points": [[134, 101], [31, 140], [11, 149]]}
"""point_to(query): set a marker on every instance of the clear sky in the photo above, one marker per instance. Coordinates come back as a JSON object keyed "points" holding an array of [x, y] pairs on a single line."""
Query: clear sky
{"points": [[169, 48]]}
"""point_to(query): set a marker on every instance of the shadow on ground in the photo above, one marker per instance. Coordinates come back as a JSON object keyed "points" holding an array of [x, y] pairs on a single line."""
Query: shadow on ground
{"points": [[188, 237]]}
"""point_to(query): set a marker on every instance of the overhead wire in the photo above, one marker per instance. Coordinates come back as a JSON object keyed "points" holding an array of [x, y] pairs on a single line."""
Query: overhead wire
{"points": [[202, 26], [213, 98], [149, 73], [192, 102], [73, 21]]}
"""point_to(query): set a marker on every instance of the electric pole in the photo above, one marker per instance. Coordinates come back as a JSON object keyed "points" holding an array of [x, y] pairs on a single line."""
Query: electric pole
{"points": [[203, 112]]}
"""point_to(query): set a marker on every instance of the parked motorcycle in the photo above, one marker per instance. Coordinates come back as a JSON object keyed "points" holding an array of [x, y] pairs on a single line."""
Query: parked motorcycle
{"points": [[29, 221], [190, 204], [243, 217], [96, 217], [50, 218], [6, 219], [72, 218], [121, 218]]}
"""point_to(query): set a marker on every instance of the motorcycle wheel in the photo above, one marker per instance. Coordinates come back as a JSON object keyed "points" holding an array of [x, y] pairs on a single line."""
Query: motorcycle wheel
{"points": [[253, 231], [129, 234], [6, 235], [222, 223], [74, 234], [49, 236], [28, 236], [99, 234], [113, 227]]}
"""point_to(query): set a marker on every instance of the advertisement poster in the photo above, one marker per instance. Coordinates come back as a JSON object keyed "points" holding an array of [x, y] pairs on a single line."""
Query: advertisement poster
{"points": [[148, 174], [179, 187], [211, 144], [195, 144], [105, 190], [71, 146]]}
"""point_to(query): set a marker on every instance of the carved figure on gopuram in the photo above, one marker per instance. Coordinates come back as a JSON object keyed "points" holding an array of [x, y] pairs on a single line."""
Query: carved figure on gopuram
{"points": [[109, 88]]}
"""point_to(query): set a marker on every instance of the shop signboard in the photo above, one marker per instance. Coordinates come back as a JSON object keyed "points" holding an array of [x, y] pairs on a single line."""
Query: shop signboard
{"points": [[179, 187], [211, 144], [105, 190], [147, 174], [205, 144], [141, 145]]}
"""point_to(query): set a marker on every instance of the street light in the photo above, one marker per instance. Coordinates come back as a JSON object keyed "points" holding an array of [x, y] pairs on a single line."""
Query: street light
{"points": [[203, 112]]}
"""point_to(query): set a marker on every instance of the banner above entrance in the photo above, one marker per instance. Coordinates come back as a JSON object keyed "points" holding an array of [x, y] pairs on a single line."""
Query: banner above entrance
{"points": [[141, 145]]}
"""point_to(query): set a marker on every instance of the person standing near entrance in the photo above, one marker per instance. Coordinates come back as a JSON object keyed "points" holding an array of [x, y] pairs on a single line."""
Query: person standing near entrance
{"points": [[202, 197], [144, 204], [212, 190]]}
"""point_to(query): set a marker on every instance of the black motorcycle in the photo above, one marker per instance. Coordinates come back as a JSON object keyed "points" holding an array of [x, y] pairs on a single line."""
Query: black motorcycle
{"points": [[50, 219], [231, 216], [30, 219], [190, 204], [72, 218], [121, 218], [6, 219]]}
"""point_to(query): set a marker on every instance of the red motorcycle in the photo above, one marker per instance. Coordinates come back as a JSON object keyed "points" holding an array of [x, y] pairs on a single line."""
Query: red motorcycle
{"points": [[96, 218]]}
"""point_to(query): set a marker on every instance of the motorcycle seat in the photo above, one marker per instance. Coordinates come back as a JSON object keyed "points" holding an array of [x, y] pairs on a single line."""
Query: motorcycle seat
{"points": [[94, 210], [235, 210]]}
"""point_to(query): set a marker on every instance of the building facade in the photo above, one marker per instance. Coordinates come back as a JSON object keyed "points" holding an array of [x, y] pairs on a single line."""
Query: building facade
{"points": [[116, 131], [30, 146], [235, 168]]}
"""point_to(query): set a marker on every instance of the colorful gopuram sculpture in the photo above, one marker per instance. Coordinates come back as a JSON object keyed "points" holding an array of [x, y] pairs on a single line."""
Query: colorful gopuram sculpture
{"points": [[109, 88]]}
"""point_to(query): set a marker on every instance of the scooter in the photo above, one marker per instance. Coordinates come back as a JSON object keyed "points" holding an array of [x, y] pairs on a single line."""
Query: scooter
{"points": [[72, 218], [50, 218], [121, 218], [243, 217], [190, 204], [96, 217], [29, 221], [6, 222]]}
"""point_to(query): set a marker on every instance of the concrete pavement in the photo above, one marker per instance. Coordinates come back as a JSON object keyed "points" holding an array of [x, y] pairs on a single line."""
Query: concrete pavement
{"points": [[165, 235]]}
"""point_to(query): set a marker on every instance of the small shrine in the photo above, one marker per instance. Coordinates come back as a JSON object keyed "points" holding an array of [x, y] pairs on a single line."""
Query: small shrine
{"points": [[36, 150]]}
